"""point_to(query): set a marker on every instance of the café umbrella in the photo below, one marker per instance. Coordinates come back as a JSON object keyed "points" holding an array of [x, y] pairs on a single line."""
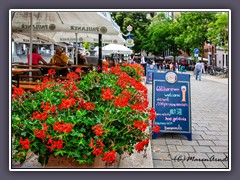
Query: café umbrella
{"points": [[39, 21]]}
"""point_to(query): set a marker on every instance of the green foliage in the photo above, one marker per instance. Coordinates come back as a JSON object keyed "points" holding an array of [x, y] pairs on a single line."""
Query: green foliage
{"points": [[86, 45], [218, 31], [194, 27]]}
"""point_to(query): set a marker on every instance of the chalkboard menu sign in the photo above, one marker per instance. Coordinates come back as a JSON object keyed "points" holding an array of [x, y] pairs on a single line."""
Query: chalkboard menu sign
{"points": [[172, 103], [149, 73]]}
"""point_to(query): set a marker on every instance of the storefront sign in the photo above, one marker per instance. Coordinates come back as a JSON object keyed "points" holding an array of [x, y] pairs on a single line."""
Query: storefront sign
{"points": [[21, 27], [172, 103]]}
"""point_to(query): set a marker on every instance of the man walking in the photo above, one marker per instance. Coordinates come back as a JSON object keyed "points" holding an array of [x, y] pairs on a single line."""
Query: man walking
{"points": [[198, 69], [143, 62]]}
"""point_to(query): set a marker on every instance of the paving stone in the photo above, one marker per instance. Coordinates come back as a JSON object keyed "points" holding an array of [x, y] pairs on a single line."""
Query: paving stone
{"points": [[222, 138], [205, 143], [173, 142], [161, 156], [185, 149], [172, 148], [178, 164], [221, 143], [213, 128], [196, 136], [209, 137], [200, 128], [215, 133], [158, 142], [159, 149], [162, 164], [223, 133], [202, 149], [213, 164], [219, 148], [189, 143], [198, 132], [203, 124], [193, 164]]}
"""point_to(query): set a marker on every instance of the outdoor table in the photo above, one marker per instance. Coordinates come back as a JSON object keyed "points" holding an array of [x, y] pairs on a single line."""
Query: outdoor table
{"points": [[17, 71]]}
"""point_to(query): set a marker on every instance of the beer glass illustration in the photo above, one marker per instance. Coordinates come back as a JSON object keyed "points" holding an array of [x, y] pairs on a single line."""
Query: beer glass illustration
{"points": [[183, 89]]}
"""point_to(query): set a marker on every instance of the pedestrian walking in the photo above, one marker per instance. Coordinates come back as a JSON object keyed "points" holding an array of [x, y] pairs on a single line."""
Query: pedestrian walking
{"points": [[198, 69], [143, 62], [203, 67], [131, 61]]}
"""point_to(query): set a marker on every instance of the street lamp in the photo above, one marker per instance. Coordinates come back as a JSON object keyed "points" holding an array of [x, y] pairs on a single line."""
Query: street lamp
{"points": [[129, 40]]}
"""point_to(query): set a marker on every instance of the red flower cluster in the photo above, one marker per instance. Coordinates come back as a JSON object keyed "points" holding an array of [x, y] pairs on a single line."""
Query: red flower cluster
{"points": [[107, 93], [97, 129], [140, 145], [116, 70], [123, 99], [62, 127], [156, 129], [139, 107], [72, 75], [40, 133], [67, 103], [40, 116], [48, 108], [18, 91], [78, 70], [54, 144], [109, 156], [89, 106], [69, 93], [140, 125], [98, 148], [24, 143], [45, 84], [51, 72], [152, 114], [124, 80]]}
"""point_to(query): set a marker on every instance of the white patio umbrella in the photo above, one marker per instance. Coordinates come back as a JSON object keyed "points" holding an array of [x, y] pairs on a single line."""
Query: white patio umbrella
{"points": [[82, 37], [116, 48], [63, 21]]}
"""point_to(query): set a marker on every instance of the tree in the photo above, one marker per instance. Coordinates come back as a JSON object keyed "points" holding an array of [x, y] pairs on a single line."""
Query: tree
{"points": [[138, 21], [86, 45], [218, 31], [194, 27], [161, 36]]}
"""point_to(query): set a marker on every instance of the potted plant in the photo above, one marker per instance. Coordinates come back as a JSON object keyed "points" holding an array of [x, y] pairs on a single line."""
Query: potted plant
{"points": [[101, 115]]}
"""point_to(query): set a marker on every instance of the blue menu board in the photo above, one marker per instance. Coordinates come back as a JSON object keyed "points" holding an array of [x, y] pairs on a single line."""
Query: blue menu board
{"points": [[149, 73], [172, 103]]}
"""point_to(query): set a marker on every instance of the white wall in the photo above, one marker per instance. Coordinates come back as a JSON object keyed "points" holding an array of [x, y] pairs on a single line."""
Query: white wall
{"points": [[220, 61]]}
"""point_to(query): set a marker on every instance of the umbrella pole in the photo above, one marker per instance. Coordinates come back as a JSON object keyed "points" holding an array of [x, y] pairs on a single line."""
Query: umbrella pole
{"points": [[31, 46], [76, 49], [100, 52]]}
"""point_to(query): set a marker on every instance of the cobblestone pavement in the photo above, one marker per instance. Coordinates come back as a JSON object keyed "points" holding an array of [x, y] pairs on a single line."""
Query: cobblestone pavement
{"points": [[209, 100]]}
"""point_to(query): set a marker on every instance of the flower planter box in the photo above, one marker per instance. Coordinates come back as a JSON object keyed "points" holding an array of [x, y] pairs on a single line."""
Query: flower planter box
{"points": [[64, 162]]}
